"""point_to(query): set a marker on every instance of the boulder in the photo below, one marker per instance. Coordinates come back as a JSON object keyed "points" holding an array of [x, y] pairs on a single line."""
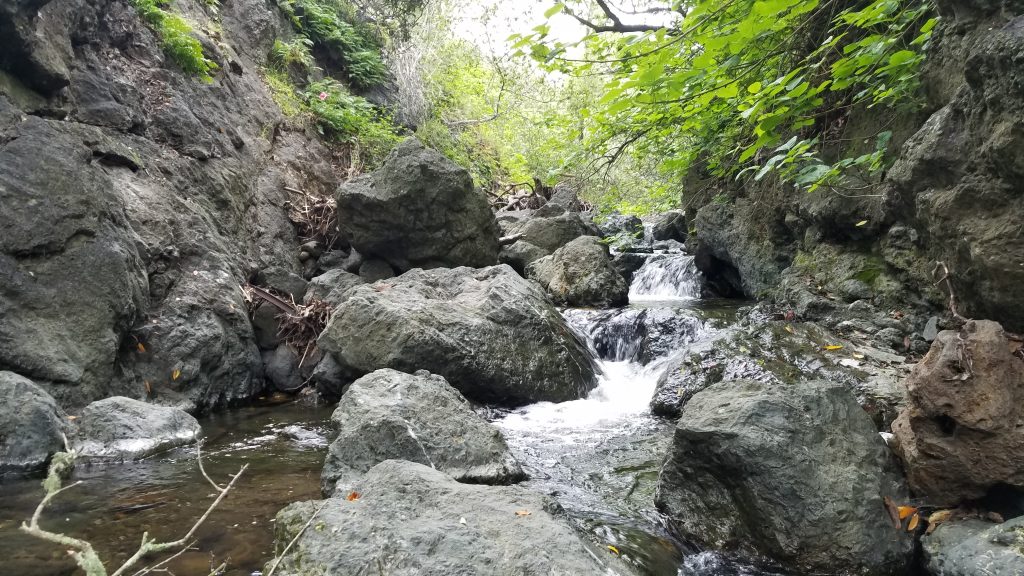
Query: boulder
{"points": [[329, 378], [332, 286], [281, 367], [565, 197], [490, 333], [283, 281], [970, 547], [119, 429], [670, 225], [615, 224], [30, 424], [414, 520], [419, 209], [551, 233], [961, 432], [375, 269], [627, 263], [420, 418], [521, 254], [641, 335], [796, 473], [580, 274]]}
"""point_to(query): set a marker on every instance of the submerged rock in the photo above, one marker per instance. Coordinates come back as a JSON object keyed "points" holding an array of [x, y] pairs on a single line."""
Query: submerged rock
{"points": [[119, 428], [796, 473], [961, 432], [490, 333], [414, 520], [30, 424], [418, 210], [418, 417], [972, 547], [580, 274]]}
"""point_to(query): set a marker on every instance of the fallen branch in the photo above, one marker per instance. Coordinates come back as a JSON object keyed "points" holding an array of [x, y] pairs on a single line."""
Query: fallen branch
{"points": [[949, 287], [82, 551]]}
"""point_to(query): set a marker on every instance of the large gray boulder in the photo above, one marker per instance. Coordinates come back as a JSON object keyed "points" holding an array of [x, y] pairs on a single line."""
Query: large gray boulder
{"points": [[796, 473], [415, 521], [961, 433], [418, 417], [580, 274], [552, 232], [493, 335], [972, 546], [119, 428], [332, 286], [418, 210], [670, 225], [30, 424]]}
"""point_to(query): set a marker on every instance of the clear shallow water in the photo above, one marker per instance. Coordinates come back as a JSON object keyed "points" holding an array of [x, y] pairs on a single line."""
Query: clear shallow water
{"points": [[283, 445]]}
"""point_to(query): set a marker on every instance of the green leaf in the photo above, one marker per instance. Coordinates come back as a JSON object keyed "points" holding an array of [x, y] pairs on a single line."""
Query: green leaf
{"points": [[554, 10]]}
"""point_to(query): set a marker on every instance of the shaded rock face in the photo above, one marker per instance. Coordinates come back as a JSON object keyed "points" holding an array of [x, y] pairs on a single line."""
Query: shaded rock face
{"points": [[490, 333], [417, 521], [332, 286], [970, 547], [670, 225], [132, 215], [521, 254], [420, 418], [753, 467], [552, 232], [30, 425], [580, 274], [119, 428], [418, 210], [961, 433]]}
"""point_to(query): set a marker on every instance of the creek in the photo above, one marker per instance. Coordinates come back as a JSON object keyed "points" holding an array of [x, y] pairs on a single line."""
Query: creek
{"points": [[598, 457]]}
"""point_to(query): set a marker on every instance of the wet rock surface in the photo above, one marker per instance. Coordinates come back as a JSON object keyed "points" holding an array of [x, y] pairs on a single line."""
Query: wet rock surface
{"points": [[754, 467], [970, 547], [445, 528], [31, 425], [580, 274], [420, 418], [118, 429], [490, 333], [418, 210], [961, 433]]}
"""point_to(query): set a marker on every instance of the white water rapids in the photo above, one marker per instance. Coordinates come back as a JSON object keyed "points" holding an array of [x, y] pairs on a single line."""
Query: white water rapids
{"points": [[599, 457]]}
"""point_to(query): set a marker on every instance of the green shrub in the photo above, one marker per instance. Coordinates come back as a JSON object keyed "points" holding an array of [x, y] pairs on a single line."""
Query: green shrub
{"points": [[283, 92], [297, 53], [344, 117], [329, 23], [176, 39]]}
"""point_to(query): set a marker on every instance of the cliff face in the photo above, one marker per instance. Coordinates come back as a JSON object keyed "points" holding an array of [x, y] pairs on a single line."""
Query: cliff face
{"points": [[136, 199], [955, 195]]}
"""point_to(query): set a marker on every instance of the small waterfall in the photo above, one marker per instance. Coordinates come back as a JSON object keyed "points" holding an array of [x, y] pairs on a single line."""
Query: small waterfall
{"points": [[669, 277]]}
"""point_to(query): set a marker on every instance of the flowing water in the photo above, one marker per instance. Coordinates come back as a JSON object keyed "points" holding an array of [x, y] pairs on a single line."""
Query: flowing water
{"points": [[598, 457]]}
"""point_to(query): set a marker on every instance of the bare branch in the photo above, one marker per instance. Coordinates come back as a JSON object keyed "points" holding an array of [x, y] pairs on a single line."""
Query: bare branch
{"points": [[617, 25], [949, 287]]}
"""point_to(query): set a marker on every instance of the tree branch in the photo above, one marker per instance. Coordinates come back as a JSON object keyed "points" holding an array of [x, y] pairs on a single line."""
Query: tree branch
{"points": [[616, 26]]}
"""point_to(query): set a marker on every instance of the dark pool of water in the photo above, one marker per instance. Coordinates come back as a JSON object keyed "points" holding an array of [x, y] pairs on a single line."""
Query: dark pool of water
{"points": [[283, 445]]}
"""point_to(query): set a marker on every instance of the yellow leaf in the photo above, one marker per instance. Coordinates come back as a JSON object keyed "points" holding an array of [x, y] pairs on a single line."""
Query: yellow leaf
{"points": [[175, 374], [352, 496], [861, 223], [789, 329], [613, 549], [141, 348], [913, 523], [522, 512], [938, 518], [858, 355], [906, 511], [833, 347]]}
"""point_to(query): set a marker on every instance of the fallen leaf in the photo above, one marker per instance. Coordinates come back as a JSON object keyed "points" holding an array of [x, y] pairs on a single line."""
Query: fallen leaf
{"points": [[858, 355], [613, 549], [462, 521], [861, 223], [72, 417], [149, 389], [906, 511], [913, 522], [522, 512], [849, 363], [789, 329], [995, 517], [894, 512], [938, 518], [141, 348], [352, 496], [175, 374], [833, 347]]}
